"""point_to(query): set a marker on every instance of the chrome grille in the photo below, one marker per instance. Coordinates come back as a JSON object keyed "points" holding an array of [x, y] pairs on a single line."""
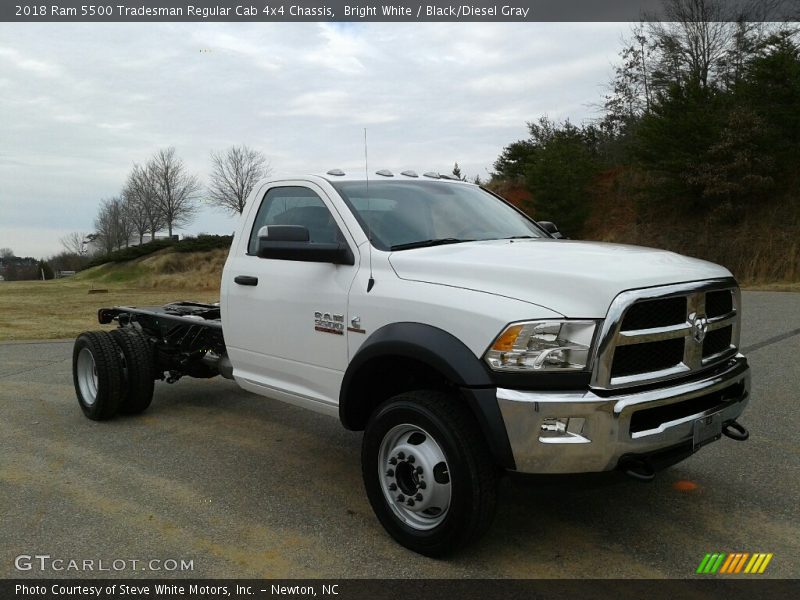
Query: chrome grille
{"points": [[661, 333]]}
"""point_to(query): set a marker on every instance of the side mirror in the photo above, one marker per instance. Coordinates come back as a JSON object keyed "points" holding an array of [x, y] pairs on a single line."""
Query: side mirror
{"points": [[292, 242], [551, 228]]}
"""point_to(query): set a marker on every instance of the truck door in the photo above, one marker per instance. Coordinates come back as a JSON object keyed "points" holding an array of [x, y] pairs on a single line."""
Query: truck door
{"points": [[284, 320]]}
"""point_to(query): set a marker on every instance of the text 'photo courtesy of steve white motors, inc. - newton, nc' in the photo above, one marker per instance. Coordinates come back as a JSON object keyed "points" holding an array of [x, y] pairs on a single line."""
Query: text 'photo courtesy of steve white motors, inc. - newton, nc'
{"points": [[144, 589], [277, 11]]}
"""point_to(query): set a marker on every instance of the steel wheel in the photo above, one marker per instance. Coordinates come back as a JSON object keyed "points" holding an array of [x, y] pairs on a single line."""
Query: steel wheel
{"points": [[87, 376], [414, 476]]}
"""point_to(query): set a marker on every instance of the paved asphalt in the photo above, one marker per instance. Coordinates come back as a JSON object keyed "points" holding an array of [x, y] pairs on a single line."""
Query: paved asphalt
{"points": [[247, 487]]}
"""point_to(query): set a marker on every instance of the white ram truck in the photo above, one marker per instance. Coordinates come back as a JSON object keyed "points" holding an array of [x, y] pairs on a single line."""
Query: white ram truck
{"points": [[462, 337]]}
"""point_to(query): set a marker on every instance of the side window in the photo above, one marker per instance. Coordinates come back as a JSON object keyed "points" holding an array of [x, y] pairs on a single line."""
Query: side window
{"points": [[295, 206]]}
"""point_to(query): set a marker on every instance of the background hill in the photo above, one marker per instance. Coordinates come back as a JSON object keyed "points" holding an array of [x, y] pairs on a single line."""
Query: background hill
{"points": [[697, 150]]}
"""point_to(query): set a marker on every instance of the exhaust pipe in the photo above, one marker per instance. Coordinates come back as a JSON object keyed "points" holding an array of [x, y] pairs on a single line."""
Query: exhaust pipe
{"points": [[221, 363], [735, 431], [639, 468]]}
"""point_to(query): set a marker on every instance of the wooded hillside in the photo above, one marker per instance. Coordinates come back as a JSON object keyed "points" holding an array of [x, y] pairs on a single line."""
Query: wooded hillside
{"points": [[697, 149]]}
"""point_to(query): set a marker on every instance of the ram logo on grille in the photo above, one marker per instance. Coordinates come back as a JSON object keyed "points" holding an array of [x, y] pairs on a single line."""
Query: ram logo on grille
{"points": [[699, 327]]}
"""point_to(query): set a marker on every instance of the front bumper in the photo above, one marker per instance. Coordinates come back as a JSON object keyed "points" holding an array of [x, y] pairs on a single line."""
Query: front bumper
{"points": [[616, 426]]}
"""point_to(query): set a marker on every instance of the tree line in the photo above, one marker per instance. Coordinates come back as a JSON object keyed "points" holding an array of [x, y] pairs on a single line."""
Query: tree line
{"points": [[701, 121], [158, 195], [161, 194]]}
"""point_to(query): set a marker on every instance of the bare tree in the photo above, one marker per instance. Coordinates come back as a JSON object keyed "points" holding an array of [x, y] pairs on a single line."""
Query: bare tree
{"points": [[140, 189], [694, 40], [125, 225], [105, 227], [176, 189], [74, 243], [234, 174], [696, 43], [135, 214], [135, 207], [112, 227], [6, 253]]}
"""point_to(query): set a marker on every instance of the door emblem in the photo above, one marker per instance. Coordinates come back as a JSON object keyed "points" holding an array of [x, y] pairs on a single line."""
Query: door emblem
{"points": [[355, 325], [329, 323]]}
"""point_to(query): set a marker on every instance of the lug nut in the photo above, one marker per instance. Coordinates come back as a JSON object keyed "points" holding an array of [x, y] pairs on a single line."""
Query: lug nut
{"points": [[393, 461], [418, 497], [422, 485], [401, 498], [392, 487], [401, 455], [419, 470], [411, 458], [410, 502], [390, 473]]}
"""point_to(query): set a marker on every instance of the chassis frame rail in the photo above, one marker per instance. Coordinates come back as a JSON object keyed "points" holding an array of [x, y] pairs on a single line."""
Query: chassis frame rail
{"points": [[182, 335]]}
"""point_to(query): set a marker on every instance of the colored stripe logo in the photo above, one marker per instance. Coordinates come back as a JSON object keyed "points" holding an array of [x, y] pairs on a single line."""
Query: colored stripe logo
{"points": [[734, 563]]}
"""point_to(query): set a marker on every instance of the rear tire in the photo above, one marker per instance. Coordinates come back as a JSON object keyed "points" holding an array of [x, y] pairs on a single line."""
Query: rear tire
{"points": [[97, 375], [138, 370], [428, 472]]}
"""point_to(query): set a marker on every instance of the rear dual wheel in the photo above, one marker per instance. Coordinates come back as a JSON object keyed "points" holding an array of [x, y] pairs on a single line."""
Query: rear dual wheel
{"points": [[112, 372], [138, 369], [97, 375]]}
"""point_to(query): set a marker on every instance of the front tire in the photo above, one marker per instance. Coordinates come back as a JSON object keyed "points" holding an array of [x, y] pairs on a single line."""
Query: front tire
{"points": [[428, 472], [97, 375]]}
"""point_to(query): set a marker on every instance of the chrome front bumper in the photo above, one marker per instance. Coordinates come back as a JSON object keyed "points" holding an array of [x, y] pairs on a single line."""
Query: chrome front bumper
{"points": [[604, 436]]}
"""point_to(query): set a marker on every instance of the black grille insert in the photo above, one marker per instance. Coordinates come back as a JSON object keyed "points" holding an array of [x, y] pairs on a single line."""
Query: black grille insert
{"points": [[719, 303], [651, 418], [655, 313], [649, 356], [717, 341]]}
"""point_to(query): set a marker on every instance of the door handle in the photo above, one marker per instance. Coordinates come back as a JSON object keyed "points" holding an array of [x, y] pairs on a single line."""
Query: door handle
{"points": [[245, 280]]}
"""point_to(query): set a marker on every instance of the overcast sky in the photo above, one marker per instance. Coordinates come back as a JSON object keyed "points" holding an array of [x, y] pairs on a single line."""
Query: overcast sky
{"points": [[80, 103]]}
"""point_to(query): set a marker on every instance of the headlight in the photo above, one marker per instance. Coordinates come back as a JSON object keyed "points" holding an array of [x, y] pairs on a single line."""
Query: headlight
{"points": [[542, 346]]}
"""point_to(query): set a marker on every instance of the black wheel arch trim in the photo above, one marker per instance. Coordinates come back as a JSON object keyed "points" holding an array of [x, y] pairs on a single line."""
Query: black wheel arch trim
{"points": [[452, 359]]}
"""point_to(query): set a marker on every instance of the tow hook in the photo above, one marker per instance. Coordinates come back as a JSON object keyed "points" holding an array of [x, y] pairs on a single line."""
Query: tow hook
{"points": [[639, 468], [735, 431]]}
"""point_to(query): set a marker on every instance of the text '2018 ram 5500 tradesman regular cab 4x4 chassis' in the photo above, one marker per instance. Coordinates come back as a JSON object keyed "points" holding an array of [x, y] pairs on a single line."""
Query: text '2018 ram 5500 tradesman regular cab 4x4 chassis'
{"points": [[462, 337]]}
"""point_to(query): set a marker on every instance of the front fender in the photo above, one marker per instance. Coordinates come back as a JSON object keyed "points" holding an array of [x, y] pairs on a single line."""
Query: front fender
{"points": [[445, 354]]}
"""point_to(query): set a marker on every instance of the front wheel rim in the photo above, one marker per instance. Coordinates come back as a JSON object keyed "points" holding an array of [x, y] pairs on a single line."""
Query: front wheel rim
{"points": [[87, 376], [414, 476]]}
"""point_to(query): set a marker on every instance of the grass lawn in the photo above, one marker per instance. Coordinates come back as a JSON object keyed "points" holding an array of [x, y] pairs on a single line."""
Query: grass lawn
{"points": [[39, 310], [63, 308]]}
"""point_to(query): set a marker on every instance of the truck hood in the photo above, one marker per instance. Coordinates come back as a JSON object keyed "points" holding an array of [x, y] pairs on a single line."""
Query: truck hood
{"points": [[576, 279]]}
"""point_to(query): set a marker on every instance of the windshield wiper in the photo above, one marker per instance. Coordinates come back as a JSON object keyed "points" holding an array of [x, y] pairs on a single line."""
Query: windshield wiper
{"points": [[428, 243], [520, 237]]}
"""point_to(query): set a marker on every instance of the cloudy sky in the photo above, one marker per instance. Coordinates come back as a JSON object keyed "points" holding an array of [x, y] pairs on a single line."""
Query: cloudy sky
{"points": [[80, 103]]}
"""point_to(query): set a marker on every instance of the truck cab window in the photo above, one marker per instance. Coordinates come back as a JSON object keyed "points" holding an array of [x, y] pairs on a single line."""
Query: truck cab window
{"points": [[295, 206]]}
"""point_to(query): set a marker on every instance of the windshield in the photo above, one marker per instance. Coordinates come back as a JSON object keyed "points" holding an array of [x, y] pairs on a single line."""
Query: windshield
{"points": [[408, 214]]}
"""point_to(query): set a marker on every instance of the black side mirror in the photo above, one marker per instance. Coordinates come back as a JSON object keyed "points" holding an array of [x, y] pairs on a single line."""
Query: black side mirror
{"points": [[551, 228], [292, 242]]}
